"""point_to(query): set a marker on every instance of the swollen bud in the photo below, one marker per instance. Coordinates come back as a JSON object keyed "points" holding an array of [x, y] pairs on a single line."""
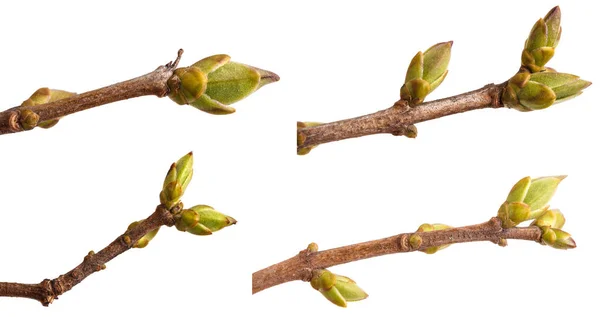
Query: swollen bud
{"points": [[557, 238], [143, 241], [336, 288], [213, 83], [28, 119], [40, 97], [426, 227], [542, 40], [426, 72], [177, 179], [527, 92], [202, 220]]}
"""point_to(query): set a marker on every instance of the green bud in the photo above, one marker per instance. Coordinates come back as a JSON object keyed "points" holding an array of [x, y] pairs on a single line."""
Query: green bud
{"points": [[557, 238], [527, 92], [411, 131], [312, 247], [213, 83], [212, 219], [202, 220], [426, 72], [542, 40], [426, 227], [415, 241], [177, 179], [336, 288], [302, 138], [40, 97], [552, 218], [143, 241], [28, 119], [528, 199]]}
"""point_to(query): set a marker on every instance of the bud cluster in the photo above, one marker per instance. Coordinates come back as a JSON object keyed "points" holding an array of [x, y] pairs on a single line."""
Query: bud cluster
{"points": [[535, 86], [528, 200]]}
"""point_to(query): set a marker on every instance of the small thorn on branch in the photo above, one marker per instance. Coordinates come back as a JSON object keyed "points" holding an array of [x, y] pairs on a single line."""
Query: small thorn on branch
{"points": [[174, 64]]}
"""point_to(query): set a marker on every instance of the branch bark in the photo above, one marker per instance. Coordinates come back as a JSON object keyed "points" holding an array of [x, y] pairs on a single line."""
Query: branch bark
{"points": [[154, 83], [48, 290], [398, 118], [302, 266]]}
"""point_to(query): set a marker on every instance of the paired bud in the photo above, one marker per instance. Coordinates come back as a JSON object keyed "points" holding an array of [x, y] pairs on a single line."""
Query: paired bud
{"points": [[143, 241], [415, 240], [528, 199], [202, 220], [177, 180], [336, 288], [542, 40], [29, 119], [302, 138], [551, 223], [426, 72], [527, 92], [213, 83]]}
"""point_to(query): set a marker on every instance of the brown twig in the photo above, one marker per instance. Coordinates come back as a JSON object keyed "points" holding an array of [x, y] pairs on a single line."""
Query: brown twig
{"points": [[398, 118], [302, 266], [48, 290], [154, 83]]}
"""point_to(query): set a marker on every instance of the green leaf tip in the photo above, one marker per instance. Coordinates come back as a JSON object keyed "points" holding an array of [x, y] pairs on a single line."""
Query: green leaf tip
{"points": [[426, 72], [336, 288], [215, 82]]}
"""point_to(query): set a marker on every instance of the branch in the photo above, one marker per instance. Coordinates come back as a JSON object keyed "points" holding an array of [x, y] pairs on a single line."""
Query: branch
{"points": [[154, 83], [399, 118], [197, 220], [48, 290], [534, 87], [302, 266]]}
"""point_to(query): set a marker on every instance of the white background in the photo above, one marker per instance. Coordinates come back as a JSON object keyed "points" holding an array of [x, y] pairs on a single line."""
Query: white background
{"points": [[75, 187]]}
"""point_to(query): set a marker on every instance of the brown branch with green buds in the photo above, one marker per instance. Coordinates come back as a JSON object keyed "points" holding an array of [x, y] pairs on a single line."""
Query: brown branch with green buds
{"points": [[534, 87], [198, 220], [527, 200], [211, 85]]}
